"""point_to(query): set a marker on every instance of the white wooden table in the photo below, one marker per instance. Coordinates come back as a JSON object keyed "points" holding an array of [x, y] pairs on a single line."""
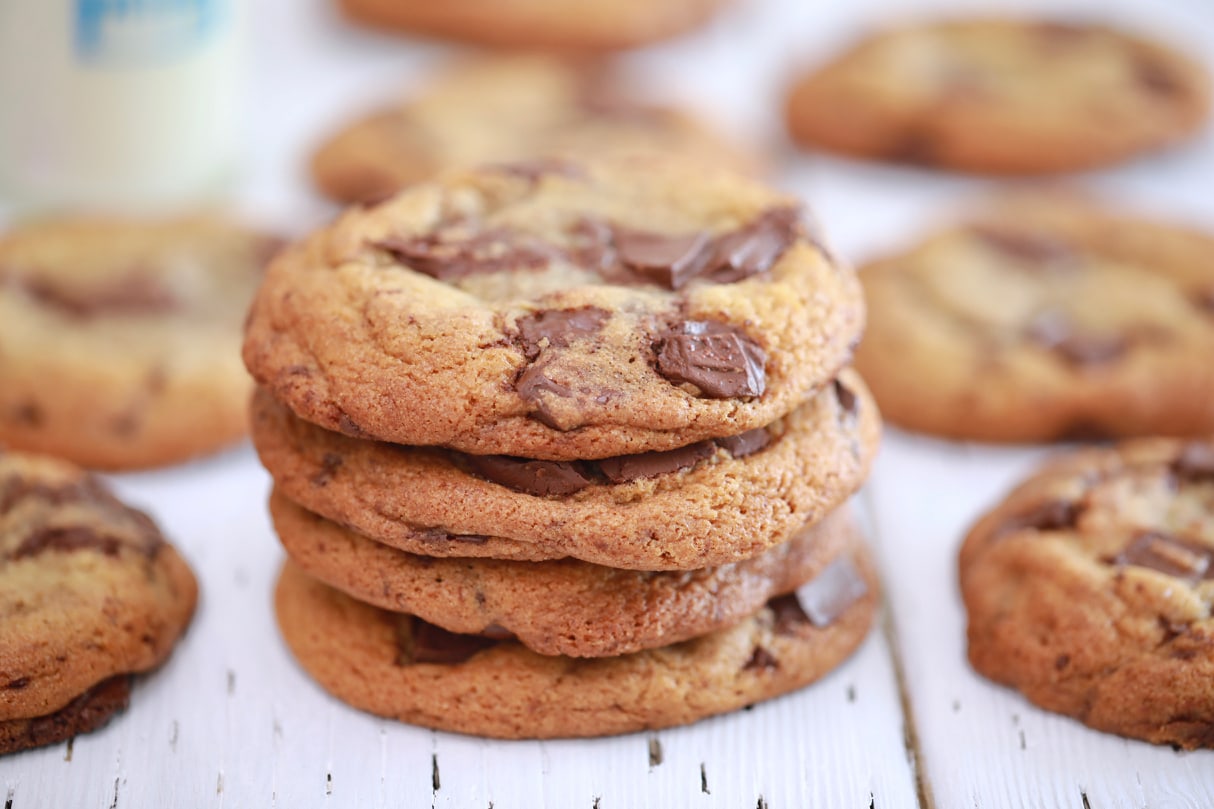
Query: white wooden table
{"points": [[230, 721]]}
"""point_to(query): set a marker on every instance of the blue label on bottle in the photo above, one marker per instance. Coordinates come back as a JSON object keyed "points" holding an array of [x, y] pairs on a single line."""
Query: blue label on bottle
{"points": [[139, 32]]}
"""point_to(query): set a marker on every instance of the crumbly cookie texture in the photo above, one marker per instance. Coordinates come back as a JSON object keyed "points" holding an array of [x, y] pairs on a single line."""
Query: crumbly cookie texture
{"points": [[398, 666], [508, 108], [1001, 97], [1046, 319], [591, 25], [120, 339], [560, 312], [558, 607], [89, 591], [1089, 589], [678, 509]]}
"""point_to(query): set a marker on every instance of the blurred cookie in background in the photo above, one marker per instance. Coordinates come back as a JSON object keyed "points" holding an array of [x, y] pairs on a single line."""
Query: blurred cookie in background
{"points": [[505, 109], [547, 24], [120, 339], [1001, 97], [90, 594], [1046, 319]]}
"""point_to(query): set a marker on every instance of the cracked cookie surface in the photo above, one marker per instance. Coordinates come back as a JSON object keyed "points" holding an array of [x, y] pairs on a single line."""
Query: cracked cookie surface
{"points": [[1089, 589], [1001, 97], [89, 591], [709, 503], [1046, 319], [395, 665], [506, 109], [120, 339], [576, 312]]}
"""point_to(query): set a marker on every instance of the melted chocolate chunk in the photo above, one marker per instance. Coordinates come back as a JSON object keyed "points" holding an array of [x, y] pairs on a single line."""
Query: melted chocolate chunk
{"points": [[135, 293], [490, 251], [788, 614], [532, 386], [17, 684], [539, 478], [747, 443], [755, 247], [426, 643], [670, 261], [66, 539], [1055, 331], [1052, 515], [1170, 555], [718, 359], [829, 594], [651, 464], [558, 327], [761, 659], [1195, 462], [1041, 250]]}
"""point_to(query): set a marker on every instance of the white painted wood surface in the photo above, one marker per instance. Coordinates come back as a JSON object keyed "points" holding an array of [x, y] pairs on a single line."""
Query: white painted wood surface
{"points": [[231, 722]]}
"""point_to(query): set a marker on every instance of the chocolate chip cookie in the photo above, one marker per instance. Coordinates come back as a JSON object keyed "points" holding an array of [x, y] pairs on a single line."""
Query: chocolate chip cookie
{"points": [[556, 312], [397, 665], [544, 24], [677, 509], [119, 340], [89, 593], [1046, 319], [1001, 97], [1089, 590], [558, 607], [507, 109]]}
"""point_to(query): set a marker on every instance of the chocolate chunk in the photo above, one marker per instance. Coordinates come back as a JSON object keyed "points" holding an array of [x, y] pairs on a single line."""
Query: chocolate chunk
{"points": [[329, 464], [747, 443], [1052, 515], [490, 251], [1040, 250], [1195, 462], [828, 595], [762, 659], [539, 478], [133, 294], [1055, 331], [1170, 555], [534, 387], [17, 684], [66, 539], [651, 464], [426, 643], [717, 358], [754, 247], [437, 535], [788, 614], [671, 261], [558, 327], [1157, 77]]}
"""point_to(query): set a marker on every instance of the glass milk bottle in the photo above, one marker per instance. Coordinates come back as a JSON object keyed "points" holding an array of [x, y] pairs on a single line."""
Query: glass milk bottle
{"points": [[117, 105]]}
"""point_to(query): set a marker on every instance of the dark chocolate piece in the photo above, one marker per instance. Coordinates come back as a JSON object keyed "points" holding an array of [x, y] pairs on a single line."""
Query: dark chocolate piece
{"points": [[670, 261], [829, 594], [717, 358], [1052, 515], [1041, 250], [558, 327], [329, 464], [761, 659], [427, 643], [1195, 462], [135, 293], [1170, 555], [531, 387], [66, 539], [754, 247], [651, 464], [489, 251], [539, 478], [747, 443], [788, 614]]}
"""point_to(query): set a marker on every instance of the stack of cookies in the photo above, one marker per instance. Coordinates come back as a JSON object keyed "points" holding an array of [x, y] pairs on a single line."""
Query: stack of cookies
{"points": [[563, 449]]}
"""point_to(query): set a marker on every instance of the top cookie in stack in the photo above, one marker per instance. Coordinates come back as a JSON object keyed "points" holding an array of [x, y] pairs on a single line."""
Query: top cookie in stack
{"points": [[554, 445]]}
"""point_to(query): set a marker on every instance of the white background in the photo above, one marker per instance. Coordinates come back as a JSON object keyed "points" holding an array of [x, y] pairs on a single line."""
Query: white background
{"points": [[230, 720]]}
